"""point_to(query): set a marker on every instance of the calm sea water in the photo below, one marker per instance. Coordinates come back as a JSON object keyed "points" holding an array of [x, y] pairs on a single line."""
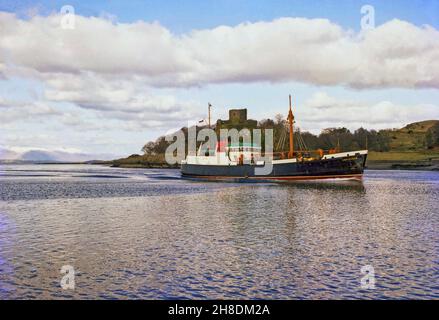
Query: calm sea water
{"points": [[147, 234]]}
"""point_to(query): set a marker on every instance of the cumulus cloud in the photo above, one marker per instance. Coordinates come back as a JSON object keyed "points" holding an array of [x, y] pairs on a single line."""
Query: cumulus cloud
{"points": [[95, 45], [317, 51], [93, 91], [322, 111], [129, 100], [12, 110]]}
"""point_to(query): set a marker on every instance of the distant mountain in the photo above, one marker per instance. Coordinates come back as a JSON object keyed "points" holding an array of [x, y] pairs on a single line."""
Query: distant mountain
{"points": [[8, 154], [38, 155]]}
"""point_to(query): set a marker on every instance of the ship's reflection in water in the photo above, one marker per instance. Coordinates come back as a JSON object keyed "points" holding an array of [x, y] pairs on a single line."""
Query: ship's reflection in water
{"points": [[156, 236]]}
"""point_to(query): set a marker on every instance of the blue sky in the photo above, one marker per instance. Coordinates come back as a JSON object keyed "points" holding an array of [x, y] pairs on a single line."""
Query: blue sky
{"points": [[182, 16], [97, 126]]}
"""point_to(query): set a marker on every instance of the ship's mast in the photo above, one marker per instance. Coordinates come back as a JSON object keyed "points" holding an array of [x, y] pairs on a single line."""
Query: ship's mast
{"points": [[291, 122]]}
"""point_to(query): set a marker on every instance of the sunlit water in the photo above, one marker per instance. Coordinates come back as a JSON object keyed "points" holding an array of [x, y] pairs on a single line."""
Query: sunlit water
{"points": [[147, 234]]}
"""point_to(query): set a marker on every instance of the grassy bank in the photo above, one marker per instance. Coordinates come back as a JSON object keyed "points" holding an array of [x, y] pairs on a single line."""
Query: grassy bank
{"points": [[415, 160]]}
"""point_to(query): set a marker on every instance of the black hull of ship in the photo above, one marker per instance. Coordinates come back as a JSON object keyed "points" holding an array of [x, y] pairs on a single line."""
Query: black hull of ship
{"points": [[345, 167]]}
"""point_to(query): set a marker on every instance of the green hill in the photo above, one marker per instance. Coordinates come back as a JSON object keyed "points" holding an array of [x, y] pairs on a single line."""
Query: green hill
{"points": [[416, 136], [416, 146]]}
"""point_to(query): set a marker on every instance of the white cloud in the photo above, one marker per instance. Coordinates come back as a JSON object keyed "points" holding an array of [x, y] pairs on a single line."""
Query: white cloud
{"points": [[92, 91], [317, 51], [95, 45], [12, 110], [129, 100], [322, 111]]}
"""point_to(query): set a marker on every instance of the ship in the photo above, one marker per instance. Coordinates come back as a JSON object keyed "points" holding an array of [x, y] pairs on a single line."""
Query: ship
{"points": [[245, 162]]}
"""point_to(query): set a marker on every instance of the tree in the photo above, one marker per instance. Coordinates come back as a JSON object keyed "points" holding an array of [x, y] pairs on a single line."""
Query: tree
{"points": [[383, 141], [432, 137], [148, 148]]}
